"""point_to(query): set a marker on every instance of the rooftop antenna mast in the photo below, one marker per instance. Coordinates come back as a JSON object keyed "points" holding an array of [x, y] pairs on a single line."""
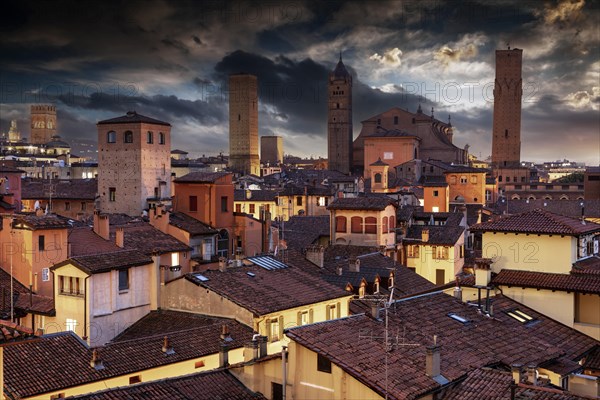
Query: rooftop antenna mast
{"points": [[389, 344]]}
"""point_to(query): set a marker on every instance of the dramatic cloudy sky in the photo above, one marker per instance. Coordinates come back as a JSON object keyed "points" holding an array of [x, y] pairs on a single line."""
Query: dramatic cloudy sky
{"points": [[170, 60]]}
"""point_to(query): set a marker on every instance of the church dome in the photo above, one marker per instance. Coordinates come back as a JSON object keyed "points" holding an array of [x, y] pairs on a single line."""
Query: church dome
{"points": [[57, 143]]}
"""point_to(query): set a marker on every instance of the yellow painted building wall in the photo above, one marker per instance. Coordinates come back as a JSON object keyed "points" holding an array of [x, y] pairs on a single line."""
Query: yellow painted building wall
{"points": [[426, 266], [67, 306], [306, 382], [557, 305], [245, 207], [167, 371], [532, 252]]}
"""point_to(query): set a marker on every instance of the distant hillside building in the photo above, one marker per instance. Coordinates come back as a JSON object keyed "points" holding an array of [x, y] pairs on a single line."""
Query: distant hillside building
{"points": [[43, 123], [339, 119], [243, 124], [271, 149], [134, 164]]}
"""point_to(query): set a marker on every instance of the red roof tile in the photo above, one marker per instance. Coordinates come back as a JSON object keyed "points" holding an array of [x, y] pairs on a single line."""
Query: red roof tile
{"points": [[549, 281], [268, 291], [97, 263], [361, 203], [201, 177], [355, 343], [538, 221], [208, 385], [73, 189], [62, 360], [491, 384]]}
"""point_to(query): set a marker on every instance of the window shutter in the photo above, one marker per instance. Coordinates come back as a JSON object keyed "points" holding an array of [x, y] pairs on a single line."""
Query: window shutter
{"points": [[338, 308], [299, 318], [310, 316]]}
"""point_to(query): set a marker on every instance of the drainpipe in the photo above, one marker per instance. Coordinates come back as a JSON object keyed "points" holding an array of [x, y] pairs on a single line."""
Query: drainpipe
{"points": [[284, 369], [85, 296]]}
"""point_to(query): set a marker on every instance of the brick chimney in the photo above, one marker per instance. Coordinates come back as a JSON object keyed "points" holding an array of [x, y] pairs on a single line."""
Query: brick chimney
{"points": [[316, 255], [354, 264], [166, 347], [101, 225], [425, 235], [432, 361], [120, 237], [96, 362], [222, 264], [159, 218]]}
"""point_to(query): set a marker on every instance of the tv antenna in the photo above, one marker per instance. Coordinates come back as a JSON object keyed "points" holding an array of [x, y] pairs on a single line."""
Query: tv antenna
{"points": [[393, 342]]}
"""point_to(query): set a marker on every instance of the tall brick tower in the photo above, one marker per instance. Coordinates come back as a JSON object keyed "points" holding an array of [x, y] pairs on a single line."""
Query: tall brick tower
{"points": [[506, 139], [339, 119], [43, 123], [243, 124], [134, 163]]}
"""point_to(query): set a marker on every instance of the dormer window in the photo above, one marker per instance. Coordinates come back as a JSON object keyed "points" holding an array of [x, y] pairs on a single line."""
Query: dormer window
{"points": [[377, 178], [376, 285], [391, 280], [362, 290]]}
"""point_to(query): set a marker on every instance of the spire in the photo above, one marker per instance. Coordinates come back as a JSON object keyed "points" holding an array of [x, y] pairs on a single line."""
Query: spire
{"points": [[419, 110], [449, 123]]}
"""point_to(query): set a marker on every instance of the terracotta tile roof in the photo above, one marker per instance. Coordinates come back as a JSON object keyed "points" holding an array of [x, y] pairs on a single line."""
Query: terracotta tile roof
{"points": [[7, 169], [268, 291], [11, 333], [296, 190], [201, 177], [148, 240], [588, 266], [444, 235], [569, 208], [538, 221], [492, 384], [361, 203], [549, 281], [63, 360], [97, 263], [255, 195], [592, 360], [35, 304], [35, 222], [208, 385], [68, 189], [133, 117], [301, 231], [190, 224], [163, 322], [355, 343], [84, 241]]}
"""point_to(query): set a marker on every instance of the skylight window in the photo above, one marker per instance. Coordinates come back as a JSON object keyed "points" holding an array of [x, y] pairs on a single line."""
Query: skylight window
{"points": [[458, 318], [520, 316], [200, 277], [251, 274]]}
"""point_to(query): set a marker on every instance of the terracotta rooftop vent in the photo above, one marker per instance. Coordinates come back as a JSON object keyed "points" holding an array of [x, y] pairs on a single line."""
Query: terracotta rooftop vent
{"points": [[166, 347]]}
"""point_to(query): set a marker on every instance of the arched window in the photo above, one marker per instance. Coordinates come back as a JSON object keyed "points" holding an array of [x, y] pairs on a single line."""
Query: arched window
{"points": [[150, 137], [356, 225], [161, 138], [340, 224], [111, 137], [128, 137], [515, 197], [392, 224], [395, 120], [377, 178], [370, 225], [384, 224]]}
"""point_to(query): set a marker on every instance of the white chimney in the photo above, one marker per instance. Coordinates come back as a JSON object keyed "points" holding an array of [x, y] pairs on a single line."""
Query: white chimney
{"points": [[432, 362]]}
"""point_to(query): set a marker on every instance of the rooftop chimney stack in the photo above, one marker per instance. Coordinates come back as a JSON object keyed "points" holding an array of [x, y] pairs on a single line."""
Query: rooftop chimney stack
{"points": [[354, 264], [224, 355], [316, 255], [96, 362], [166, 347], [222, 264], [339, 270], [432, 362], [458, 291], [516, 370], [532, 375], [425, 235], [225, 332], [483, 272], [120, 237], [101, 225], [262, 345]]}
